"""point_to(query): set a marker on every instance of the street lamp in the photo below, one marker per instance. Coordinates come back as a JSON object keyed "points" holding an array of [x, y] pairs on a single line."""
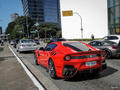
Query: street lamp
{"points": [[27, 24], [37, 29], [80, 23]]}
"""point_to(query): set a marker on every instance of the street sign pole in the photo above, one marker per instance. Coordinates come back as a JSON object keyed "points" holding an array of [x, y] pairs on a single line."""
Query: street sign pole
{"points": [[81, 24], [70, 13]]}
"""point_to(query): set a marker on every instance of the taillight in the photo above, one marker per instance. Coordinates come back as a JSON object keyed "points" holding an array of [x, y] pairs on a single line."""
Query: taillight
{"points": [[22, 45], [114, 47], [67, 58]]}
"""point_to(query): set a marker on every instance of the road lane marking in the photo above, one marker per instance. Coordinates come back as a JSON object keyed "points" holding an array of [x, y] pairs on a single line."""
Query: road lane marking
{"points": [[35, 81]]}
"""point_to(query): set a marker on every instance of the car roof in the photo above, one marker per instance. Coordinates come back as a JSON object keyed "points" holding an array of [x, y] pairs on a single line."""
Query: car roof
{"points": [[66, 42], [114, 35], [104, 41]]}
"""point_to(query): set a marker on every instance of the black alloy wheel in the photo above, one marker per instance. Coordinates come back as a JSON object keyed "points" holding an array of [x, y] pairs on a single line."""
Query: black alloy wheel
{"points": [[35, 59], [52, 70], [108, 53]]}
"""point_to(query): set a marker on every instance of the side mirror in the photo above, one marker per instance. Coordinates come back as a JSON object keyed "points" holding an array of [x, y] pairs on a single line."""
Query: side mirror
{"points": [[42, 48], [48, 49]]}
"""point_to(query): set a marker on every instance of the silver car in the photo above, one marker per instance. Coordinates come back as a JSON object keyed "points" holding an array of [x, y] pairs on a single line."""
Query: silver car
{"points": [[111, 48], [26, 45]]}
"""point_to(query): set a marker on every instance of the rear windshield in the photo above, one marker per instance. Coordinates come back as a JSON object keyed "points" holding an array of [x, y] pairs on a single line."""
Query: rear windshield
{"points": [[112, 37], [27, 41], [76, 46], [109, 43]]}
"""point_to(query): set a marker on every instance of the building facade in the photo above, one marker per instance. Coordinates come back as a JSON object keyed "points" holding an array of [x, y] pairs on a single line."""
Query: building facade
{"points": [[114, 16], [14, 16], [90, 14], [42, 10]]}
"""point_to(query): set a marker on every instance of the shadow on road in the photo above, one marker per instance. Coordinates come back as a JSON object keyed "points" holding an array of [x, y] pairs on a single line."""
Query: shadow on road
{"points": [[114, 58], [27, 52], [5, 58], [87, 76]]}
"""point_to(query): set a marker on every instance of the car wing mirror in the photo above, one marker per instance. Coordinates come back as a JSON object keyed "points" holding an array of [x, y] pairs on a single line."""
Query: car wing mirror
{"points": [[48, 49]]}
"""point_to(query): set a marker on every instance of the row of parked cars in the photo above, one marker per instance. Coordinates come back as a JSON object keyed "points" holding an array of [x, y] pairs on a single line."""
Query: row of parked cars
{"points": [[65, 59], [25, 44], [110, 44]]}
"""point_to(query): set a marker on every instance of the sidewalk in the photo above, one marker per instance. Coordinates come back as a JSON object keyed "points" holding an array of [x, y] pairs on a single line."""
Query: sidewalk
{"points": [[12, 75]]}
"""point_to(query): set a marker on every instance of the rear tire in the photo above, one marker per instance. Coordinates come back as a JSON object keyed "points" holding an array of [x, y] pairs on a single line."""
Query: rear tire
{"points": [[35, 59], [52, 70]]}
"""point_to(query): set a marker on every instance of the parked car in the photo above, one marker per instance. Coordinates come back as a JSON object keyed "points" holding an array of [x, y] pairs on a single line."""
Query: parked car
{"points": [[114, 38], [56, 40], [15, 43], [26, 45], [111, 48], [11, 42], [66, 58]]}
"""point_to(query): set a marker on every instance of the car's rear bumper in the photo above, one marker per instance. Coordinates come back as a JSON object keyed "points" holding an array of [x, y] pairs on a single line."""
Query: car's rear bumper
{"points": [[27, 49], [70, 70]]}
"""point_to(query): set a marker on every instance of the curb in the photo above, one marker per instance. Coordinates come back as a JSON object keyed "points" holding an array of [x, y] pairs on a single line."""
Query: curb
{"points": [[44, 81]]}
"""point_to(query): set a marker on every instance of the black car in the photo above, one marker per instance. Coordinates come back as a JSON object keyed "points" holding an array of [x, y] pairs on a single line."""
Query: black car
{"points": [[56, 40]]}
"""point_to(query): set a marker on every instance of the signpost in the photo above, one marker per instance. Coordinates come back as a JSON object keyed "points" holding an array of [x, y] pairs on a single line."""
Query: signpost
{"points": [[32, 31], [70, 13], [67, 13]]}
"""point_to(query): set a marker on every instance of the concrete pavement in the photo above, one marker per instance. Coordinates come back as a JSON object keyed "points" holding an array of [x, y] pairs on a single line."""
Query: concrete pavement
{"points": [[12, 75]]}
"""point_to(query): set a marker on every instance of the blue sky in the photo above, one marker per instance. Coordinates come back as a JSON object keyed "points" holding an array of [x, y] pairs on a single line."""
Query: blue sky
{"points": [[7, 7]]}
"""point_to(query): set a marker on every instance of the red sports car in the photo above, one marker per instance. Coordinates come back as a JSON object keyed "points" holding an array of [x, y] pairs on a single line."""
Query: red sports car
{"points": [[65, 58]]}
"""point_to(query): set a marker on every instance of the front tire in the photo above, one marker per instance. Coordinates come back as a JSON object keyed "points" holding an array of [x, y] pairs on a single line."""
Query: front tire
{"points": [[52, 70]]}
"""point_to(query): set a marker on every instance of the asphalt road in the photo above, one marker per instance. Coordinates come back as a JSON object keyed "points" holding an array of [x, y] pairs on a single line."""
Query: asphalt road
{"points": [[109, 79]]}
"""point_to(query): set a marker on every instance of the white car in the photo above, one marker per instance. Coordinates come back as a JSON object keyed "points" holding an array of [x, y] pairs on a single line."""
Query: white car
{"points": [[114, 38], [26, 45]]}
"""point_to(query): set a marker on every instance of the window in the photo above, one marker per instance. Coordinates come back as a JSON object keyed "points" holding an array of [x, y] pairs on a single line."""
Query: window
{"points": [[106, 43], [96, 43], [50, 47], [76, 46], [112, 37], [27, 41]]}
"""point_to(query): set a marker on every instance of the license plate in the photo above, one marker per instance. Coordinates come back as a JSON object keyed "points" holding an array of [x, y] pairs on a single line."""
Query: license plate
{"points": [[90, 63]]}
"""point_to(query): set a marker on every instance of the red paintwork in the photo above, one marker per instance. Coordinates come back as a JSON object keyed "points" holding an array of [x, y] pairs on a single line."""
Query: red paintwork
{"points": [[61, 51]]}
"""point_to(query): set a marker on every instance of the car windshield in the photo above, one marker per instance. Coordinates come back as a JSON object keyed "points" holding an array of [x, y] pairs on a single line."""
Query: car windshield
{"points": [[27, 41], [77, 46], [35, 40], [110, 38]]}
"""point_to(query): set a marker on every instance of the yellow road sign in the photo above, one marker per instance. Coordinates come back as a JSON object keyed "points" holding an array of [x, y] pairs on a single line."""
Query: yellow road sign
{"points": [[67, 13]]}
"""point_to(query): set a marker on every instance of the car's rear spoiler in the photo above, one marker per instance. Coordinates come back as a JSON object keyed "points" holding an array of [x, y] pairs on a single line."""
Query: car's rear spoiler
{"points": [[88, 52]]}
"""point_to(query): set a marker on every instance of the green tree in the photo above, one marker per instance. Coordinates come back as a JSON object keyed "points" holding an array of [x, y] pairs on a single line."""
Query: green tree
{"points": [[26, 23], [9, 29], [59, 34], [48, 30], [20, 27]]}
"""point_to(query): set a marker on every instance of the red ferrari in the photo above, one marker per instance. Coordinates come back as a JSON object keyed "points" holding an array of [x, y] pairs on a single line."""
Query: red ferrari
{"points": [[65, 58]]}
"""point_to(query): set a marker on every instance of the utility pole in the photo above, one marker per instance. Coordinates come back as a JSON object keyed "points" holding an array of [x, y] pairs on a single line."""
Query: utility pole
{"points": [[80, 24], [70, 13], [27, 26]]}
